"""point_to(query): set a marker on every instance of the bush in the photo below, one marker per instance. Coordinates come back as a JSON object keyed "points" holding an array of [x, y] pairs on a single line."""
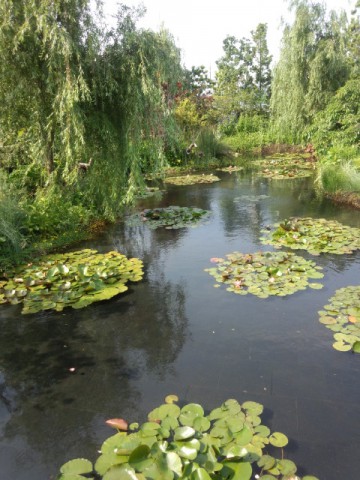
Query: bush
{"points": [[12, 218], [340, 176]]}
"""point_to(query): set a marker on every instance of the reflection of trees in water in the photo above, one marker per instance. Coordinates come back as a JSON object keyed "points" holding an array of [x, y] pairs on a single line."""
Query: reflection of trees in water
{"points": [[110, 345], [238, 213]]}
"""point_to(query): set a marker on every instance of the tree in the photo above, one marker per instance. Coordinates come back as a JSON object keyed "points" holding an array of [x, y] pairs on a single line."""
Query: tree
{"points": [[313, 65], [244, 76], [42, 82], [260, 67]]}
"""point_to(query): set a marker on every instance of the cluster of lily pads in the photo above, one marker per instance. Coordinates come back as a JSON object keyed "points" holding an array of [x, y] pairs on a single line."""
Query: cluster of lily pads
{"points": [[265, 273], [314, 235], [342, 316], [230, 169], [192, 179], [184, 443], [284, 168], [170, 217], [285, 173], [289, 162], [75, 279]]}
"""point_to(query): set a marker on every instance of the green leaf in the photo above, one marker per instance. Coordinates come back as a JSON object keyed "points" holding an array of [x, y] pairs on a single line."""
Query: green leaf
{"points": [[278, 439], [108, 460], [356, 347], [200, 474], [341, 346], [183, 433], [120, 473], [237, 471], [139, 457], [77, 466]]}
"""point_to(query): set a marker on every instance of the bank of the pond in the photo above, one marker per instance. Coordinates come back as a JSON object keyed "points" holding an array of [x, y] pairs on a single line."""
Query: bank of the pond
{"points": [[345, 198]]}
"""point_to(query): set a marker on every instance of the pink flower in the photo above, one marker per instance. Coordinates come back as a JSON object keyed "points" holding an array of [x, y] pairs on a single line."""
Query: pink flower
{"points": [[216, 260], [118, 423], [237, 283]]}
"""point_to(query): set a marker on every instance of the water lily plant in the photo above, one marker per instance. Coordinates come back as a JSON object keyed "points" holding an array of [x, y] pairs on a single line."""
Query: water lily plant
{"points": [[73, 279], [265, 273], [229, 443], [342, 316], [170, 217], [314, 235], [192, 179]]}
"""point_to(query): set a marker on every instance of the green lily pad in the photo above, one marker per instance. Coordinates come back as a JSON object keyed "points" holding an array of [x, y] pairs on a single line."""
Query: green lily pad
{"points": [[340, 316], [192, 179], [74, 279], [278, 439], [77, 466], [315, 235], [265, 274], [234, 442], [170, 217]]}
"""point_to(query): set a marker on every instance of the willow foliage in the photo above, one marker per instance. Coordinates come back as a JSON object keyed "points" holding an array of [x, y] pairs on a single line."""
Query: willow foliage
{"points": [[42, 83], [313, 64], [76, 91]]}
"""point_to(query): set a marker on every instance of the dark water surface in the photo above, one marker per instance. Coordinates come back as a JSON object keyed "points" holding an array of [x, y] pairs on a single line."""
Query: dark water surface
{"points": [[175, 333]]}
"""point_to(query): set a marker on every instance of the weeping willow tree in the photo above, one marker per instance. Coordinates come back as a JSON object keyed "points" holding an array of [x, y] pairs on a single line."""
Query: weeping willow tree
{"points": [[313, 64], [74, 91], [42, 85], [130, 123]]}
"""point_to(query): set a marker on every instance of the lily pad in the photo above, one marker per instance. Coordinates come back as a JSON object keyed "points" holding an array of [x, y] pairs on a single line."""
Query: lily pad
{"points": [[285, 173], [170, 217], [192, 179], [342, 316], [230, 169], [233, 447], [314, 235], [75, 279], [265, 274]]}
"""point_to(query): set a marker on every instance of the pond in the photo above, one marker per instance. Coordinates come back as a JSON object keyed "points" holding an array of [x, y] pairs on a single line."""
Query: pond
{"points": [[63, 374]]}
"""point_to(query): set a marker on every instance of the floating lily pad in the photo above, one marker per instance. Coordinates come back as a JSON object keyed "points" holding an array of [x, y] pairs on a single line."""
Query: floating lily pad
{"points": [[230, 169], [265, 273], [284, 162], [232, 446], [342, 316], [315, 235], [74, 279], [285, 173], [192, 179], [169, 217]]}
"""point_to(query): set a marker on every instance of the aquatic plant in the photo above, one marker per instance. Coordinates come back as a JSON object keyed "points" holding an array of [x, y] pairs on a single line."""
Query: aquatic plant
{"points": [[342, 316], [265, 273], [170, 217], [184, 443], [230, 169], [74, 279], [314, 235], [192, 179], [284, 173]]}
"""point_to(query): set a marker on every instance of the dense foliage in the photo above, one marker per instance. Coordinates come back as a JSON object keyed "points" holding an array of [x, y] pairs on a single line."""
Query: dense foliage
{"points": [[185, 443], [89, 109]]}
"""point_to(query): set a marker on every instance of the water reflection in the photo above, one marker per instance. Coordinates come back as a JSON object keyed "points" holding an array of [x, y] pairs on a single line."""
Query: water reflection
{"points": [[174, 333]]}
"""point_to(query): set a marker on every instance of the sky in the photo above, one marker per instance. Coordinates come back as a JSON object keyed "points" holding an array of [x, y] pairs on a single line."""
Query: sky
{"points": [[200, 26]]}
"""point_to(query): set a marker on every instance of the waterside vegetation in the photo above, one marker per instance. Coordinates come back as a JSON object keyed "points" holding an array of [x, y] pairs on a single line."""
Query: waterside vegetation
{"points": [[90, 111]]}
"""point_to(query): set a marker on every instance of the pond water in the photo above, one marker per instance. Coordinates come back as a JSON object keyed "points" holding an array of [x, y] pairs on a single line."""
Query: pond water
{"points": [[175, 333]]}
